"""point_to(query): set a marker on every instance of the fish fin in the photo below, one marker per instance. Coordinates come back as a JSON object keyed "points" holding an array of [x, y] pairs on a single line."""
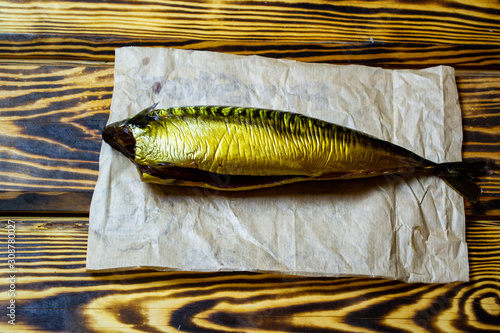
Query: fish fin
{"points": [[142, 118], [146, 110], [151, 108], [460, 176]]}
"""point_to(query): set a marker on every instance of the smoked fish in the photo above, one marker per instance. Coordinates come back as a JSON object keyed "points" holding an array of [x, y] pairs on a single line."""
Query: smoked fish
{"points": [[235, 148]]}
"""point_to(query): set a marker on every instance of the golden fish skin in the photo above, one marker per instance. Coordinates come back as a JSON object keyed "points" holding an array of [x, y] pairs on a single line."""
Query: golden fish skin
{"points": [[234, 148]]}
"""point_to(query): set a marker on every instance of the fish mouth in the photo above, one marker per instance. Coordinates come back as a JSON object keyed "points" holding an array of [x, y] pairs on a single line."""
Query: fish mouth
{"points": [[120, 137]]}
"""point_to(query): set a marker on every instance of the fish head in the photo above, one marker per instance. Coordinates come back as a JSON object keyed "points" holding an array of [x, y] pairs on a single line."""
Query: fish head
{"points": [[120, 135]]}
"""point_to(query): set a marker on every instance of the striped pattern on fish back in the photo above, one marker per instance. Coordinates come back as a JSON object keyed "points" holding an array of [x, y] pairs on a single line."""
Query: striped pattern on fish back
{"points": [[247, 141]]}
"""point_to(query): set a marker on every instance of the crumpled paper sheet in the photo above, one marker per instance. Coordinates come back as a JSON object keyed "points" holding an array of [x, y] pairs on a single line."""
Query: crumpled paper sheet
{"points": [[410, 228]]}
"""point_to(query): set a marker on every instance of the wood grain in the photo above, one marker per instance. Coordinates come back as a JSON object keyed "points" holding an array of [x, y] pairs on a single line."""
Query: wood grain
{"points": [[451, 22], [395, 54], [51, 117], [480, 103], [54, 293], [391, 33]]}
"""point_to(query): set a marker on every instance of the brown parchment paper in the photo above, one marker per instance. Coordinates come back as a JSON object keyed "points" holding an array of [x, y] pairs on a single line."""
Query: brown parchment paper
{"points": [[406, 228]]}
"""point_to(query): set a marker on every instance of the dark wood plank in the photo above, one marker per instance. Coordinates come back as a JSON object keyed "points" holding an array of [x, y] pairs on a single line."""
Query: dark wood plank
{"points": [[54, 293], [396, 54], [46, 202]]}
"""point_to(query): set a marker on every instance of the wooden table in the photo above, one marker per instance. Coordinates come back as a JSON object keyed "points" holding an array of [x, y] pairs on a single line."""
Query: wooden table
{"points": [[56, 81]]}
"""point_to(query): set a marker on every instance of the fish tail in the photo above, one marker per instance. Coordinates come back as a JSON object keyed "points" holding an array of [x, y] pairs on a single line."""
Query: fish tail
{"points": [[461, 176]]}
